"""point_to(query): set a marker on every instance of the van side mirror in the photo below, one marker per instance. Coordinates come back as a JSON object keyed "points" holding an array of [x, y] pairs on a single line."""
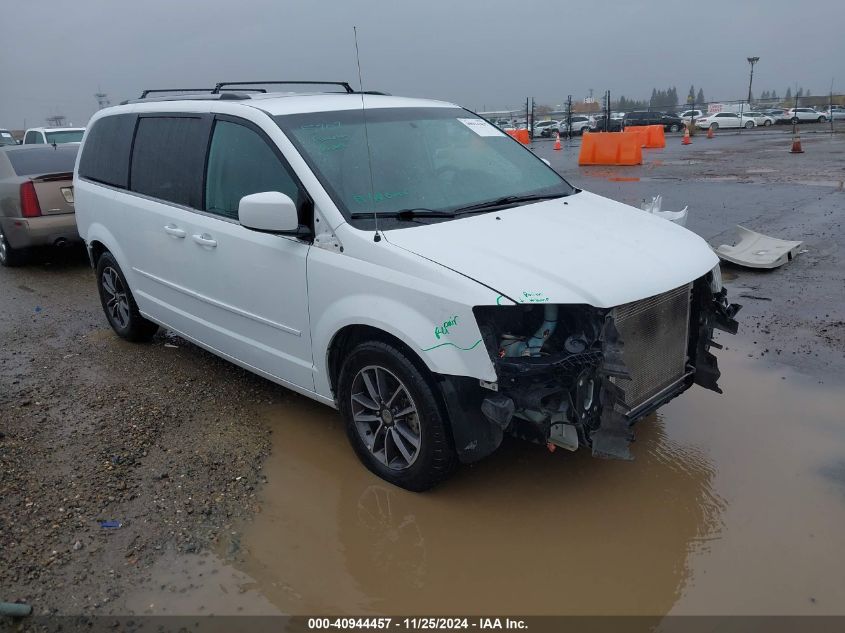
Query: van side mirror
{"points": [[269, 212]]}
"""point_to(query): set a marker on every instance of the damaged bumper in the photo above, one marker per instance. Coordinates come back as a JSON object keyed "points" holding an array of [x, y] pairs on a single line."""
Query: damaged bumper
{"points": [[572, 376]]}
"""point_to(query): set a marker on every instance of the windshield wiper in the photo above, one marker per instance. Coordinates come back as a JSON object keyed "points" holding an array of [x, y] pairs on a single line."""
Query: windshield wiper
{"points": [[405, 214], [501, 202]]}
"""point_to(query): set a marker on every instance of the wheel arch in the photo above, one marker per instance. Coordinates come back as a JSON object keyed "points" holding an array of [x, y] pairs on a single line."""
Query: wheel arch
{"points": [[347, 337]]}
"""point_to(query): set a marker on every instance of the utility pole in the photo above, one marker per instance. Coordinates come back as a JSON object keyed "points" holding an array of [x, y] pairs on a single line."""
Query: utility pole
{"points": [[569, 117], [752, 61]]}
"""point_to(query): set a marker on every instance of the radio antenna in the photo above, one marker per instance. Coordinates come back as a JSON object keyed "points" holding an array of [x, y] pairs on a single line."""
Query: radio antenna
{"points": [[376, 237]]}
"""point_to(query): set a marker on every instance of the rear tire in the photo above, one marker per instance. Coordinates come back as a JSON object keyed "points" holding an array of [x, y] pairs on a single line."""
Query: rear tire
{"points": [[795, 120], [9, 256], [749, 125], [714, 126], [119, 304], [674, 128], [412, 450], [766, 123], [822, 119]]}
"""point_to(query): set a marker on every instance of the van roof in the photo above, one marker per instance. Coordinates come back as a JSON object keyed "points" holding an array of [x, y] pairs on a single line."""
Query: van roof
{"points": [[280, 103]]}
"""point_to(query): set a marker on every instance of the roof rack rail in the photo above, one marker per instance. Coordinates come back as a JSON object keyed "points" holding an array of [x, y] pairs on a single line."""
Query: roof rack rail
{"points": [[347, 88], [145, 93]]}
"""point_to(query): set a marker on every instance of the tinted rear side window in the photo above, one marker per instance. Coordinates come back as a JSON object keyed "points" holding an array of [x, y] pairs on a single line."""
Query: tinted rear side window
{"points": [[168, 157], [43, 160], [105, 157]]}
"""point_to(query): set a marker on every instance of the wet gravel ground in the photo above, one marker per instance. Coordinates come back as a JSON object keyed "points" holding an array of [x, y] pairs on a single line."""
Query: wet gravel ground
{"points": [[157, 439], [168, 441]]}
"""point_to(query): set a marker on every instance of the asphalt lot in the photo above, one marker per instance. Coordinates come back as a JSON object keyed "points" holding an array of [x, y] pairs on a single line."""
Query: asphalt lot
{"points": [[237, 496]]}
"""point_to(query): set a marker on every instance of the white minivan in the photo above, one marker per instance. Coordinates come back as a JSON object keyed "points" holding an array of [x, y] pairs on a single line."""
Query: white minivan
{"points": [[401, 260]]}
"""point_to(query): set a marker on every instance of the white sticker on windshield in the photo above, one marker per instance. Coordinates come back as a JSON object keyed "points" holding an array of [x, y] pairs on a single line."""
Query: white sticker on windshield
{"points": [[481, 127], [5, 135]]}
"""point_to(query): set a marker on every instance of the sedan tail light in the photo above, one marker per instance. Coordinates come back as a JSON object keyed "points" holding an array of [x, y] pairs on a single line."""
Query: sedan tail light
{"points": [[30, 208]]}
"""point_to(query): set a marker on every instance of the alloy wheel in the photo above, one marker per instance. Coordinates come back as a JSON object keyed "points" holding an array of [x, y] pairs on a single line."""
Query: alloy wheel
{"points": [[386, 417], [117, 301], [4, 253]]}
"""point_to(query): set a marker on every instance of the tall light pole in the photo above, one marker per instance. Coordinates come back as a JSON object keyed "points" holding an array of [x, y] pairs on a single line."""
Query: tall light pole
{"points": [[752, 61]]}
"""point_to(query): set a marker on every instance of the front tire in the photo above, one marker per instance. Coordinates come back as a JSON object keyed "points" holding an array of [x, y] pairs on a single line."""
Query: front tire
{"points": [[795, 120], [674, 128], [9, 256], [749, 125], [119, 304], [394, 418], [822, 119], [714, 126], [766, 123]]}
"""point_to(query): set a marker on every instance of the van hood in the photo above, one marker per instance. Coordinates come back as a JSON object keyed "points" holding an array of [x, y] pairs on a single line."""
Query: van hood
{"points": [[580, 249]]}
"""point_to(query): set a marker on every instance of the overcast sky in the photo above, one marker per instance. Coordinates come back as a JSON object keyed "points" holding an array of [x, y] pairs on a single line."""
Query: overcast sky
{"points": [[491, 54]]}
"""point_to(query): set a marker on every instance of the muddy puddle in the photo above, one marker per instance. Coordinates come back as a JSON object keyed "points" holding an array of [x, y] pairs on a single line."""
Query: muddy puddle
{"points": [[735, 504]]}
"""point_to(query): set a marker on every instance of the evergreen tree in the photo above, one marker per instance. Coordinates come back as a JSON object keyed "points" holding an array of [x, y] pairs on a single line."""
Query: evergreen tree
{"points": [[788, 96], [807, 93], [800, 93], [699, 100], [653, 97], [774, 94], [764, 95], [691, 95]]}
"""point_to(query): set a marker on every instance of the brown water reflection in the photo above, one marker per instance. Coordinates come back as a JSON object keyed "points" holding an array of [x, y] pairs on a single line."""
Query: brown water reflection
{"points": [[524, 532], [730, 507]]}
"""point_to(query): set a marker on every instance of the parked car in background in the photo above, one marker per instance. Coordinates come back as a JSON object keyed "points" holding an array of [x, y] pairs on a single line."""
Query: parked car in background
{"points": [[36, 199], [580, 124], [761, 118], [835, 113], [687, 115], [670, 123], [778, 114], [613, 125], [718, 120], [248, 227], [6, 138], [545, 128], [806, 115], [53, 135]]}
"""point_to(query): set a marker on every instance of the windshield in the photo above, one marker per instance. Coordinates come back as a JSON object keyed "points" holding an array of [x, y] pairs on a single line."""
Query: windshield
{"points": [[67, 136], [433, 159], [6, 138]]}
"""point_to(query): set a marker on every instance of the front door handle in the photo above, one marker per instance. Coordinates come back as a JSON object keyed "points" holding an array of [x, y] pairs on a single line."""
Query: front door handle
{"points": [[205, 240], [175, 231]]}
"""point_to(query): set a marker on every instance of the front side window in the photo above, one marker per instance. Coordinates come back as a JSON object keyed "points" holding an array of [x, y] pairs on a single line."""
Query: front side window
{"points": [[34, 138], [65, 136], [428, 159], [168, 157], [240, 163]]}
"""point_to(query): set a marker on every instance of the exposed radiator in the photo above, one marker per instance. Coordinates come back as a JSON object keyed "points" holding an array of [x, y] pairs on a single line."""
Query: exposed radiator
{"points": [[655, 333]]}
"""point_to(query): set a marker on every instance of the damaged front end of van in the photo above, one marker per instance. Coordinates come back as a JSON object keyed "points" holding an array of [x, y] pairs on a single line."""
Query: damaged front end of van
{"points": [[571, 376]]}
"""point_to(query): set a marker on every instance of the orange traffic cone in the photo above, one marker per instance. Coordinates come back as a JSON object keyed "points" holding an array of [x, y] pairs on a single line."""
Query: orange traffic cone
{"points": [[686, 140], [796, 145], [557, 140], [710, 132]]}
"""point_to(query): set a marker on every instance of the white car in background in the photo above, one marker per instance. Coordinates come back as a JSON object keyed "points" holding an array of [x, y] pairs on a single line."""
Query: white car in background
{"points": [[718, 120], [835, 113], [545, 128], [580, 124], [761, 118], [689, 114], [806, 115], [53, 135]]}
